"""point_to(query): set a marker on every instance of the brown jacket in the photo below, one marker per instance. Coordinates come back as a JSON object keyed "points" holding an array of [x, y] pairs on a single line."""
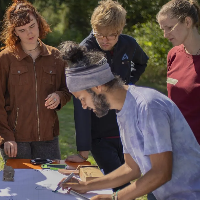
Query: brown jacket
{"points": [[24, 85]]}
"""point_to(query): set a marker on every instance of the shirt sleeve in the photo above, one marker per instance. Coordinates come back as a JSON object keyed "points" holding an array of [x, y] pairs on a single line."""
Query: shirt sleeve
{"points": [[157, 137], [124, 150]]}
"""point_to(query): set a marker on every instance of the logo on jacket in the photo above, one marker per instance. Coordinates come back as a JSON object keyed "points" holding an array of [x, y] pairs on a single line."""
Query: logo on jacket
{"points": [[125, 57]]}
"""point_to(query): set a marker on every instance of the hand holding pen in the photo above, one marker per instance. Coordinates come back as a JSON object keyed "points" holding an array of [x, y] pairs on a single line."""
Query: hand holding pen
{"points": [[75, 184], [70, 191], [64, 181]]}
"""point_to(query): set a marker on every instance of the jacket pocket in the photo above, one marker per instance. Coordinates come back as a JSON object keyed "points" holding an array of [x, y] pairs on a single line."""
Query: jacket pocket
{"points": [[19, 75], [49, 74]]}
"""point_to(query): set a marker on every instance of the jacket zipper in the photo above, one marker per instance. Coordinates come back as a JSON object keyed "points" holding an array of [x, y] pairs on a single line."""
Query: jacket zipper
{"points": [[37, 109], [16, 119]]}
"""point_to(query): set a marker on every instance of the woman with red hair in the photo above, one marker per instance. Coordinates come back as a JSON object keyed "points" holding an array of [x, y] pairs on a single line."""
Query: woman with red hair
{"points": [[32, 85]]}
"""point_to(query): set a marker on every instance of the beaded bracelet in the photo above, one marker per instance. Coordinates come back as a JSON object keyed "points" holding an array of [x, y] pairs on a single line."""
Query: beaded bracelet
{"points": [[116, 197], [113, 196]]}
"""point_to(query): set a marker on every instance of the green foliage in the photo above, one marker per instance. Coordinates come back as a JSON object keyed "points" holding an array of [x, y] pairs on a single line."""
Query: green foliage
{"points": [[141, 11], [56, 18], [150, 38], [69, 20]]}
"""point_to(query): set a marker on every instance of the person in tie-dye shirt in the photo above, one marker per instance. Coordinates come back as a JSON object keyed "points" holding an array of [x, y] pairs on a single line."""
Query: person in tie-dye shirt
{"points": [[158, 142]]}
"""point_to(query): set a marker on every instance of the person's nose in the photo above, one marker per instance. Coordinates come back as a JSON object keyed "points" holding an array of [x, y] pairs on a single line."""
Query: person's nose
{"points": [[105, 39], [166, 34], [29, 31], [84, 106]]}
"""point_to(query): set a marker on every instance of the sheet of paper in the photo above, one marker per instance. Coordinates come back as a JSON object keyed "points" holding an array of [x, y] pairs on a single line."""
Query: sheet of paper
{"points": [[30, 184]]}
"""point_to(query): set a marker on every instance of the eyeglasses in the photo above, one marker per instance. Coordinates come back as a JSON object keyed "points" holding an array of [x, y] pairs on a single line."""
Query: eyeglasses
{"points": [[172, 29], [108, 37]]}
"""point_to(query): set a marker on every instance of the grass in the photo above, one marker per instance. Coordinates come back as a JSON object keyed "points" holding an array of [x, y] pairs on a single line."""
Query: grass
{"points": [[67, 139]]}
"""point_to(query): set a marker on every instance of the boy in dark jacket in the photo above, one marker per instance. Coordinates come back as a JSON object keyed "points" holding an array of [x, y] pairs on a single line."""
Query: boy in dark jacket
{"points": [[126, 59]]}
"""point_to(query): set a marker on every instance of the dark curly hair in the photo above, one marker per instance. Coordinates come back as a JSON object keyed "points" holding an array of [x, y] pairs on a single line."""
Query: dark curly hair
{"points": [[77, 56]]}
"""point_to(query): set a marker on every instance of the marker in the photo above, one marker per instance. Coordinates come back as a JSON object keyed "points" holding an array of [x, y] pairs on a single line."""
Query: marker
{"points": [[72, 192], [66, 180]]}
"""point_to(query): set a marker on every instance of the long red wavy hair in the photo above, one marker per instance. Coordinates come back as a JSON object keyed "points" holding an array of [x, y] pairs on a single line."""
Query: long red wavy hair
{"points": [[18, 14]]}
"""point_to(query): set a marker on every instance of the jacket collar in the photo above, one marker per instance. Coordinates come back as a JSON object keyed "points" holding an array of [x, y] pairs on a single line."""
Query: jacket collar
{"points": [[20, 54]]}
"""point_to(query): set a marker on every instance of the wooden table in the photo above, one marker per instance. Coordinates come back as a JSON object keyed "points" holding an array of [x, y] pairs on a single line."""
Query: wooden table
{"points": [[25, 164]]}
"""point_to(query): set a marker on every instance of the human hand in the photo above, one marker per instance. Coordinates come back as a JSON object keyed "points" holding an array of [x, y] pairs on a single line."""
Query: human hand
{"points": [[75, 184], [102, 197], [52, 101], [81, 157], [10, 148]]}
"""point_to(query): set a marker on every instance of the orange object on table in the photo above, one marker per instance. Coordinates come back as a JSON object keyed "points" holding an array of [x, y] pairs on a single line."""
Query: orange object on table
{"points": [[25, 164]]}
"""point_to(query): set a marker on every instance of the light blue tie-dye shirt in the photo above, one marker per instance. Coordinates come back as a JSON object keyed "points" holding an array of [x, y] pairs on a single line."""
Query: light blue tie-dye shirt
{"points": [[151, 123]]}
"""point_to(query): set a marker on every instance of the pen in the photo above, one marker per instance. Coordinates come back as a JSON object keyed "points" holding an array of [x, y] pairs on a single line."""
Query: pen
{"points": [[72, 192], [66, 180]]}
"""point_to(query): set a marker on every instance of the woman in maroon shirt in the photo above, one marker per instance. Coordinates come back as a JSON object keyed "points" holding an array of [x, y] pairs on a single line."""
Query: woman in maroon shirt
{"points": [[179, 19]]}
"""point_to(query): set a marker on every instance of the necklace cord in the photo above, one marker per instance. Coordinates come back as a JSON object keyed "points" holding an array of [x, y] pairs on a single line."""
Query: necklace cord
{"points": [[32, 49]]}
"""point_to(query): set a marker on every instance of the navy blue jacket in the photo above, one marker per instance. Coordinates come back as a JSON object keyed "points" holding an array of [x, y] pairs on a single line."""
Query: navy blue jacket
{"points": [[127, 60]]}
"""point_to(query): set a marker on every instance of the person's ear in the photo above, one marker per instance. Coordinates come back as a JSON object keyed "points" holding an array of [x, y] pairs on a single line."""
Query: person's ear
{"points": [[97, 89], [188, 22]]}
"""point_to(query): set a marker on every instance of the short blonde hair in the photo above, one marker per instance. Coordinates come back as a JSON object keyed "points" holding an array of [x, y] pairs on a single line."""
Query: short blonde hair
{"points": [[109, 14]]}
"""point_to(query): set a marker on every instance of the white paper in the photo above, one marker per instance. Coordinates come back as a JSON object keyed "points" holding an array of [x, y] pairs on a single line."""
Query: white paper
{"points": [[30, 184]]}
